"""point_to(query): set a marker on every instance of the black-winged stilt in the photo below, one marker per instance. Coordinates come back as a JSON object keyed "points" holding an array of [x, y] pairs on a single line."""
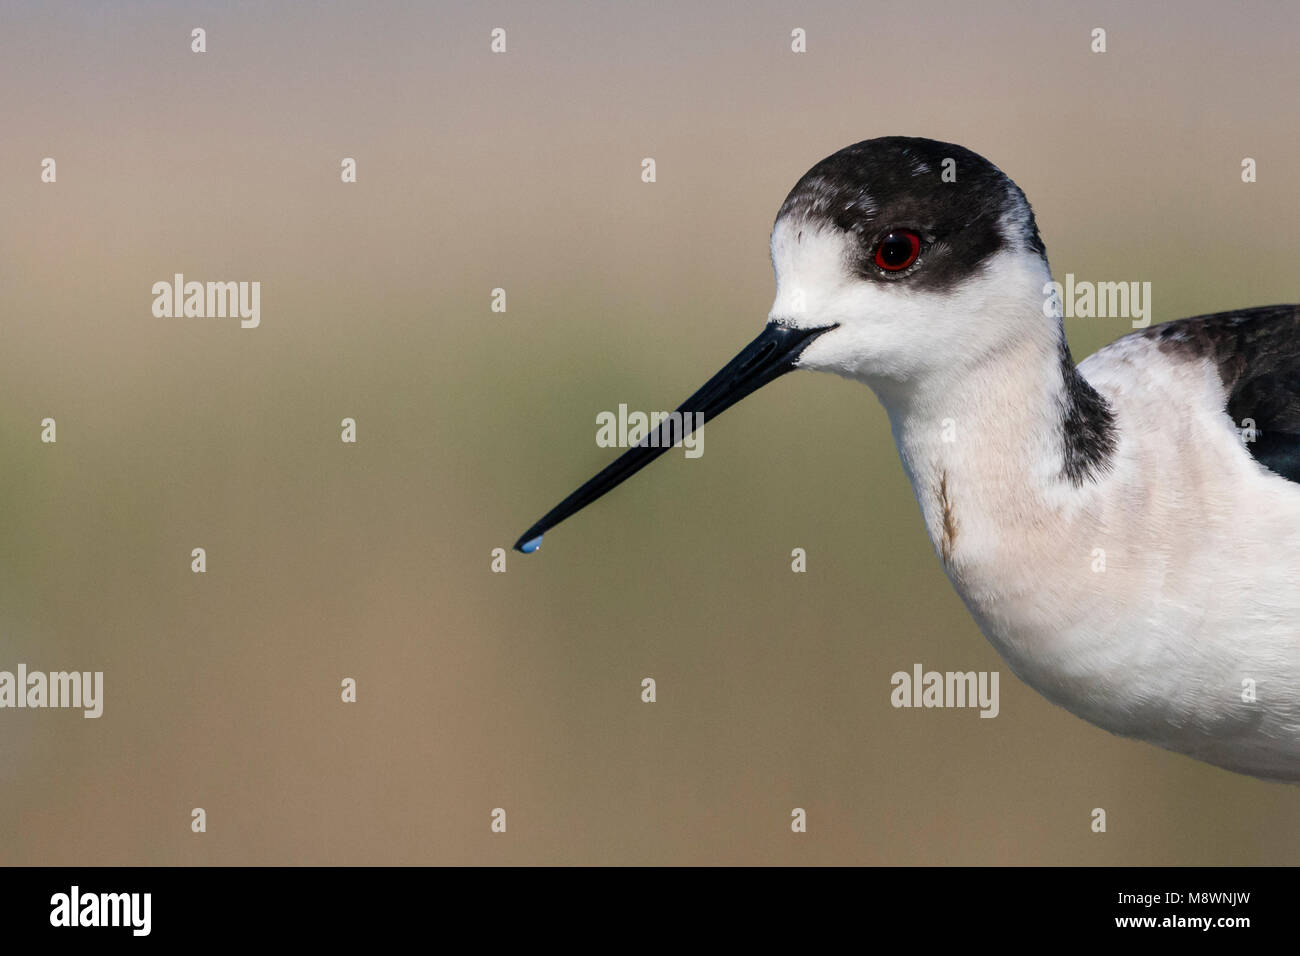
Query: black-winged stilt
{"points": [[916, 268]]}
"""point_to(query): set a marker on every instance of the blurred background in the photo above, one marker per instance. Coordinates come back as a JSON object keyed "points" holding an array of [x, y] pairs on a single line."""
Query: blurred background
{"points": [[521, 170]]}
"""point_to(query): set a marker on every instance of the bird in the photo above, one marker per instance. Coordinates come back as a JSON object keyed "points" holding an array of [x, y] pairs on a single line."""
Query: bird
{"points": [[1124, 531]]}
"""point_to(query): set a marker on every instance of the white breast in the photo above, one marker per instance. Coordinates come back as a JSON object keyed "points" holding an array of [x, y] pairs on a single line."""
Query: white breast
{"points": [[1154, 602]]}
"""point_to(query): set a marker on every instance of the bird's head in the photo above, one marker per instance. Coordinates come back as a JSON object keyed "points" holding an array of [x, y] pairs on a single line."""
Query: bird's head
{"points": [[914, 255], [897, 259]]}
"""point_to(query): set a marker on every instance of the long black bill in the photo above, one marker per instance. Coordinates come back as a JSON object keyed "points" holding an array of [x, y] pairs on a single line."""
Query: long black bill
{"points": [[769, 356]]}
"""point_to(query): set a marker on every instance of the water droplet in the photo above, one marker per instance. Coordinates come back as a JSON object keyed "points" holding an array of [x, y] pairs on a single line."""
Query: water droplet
{"points": [[531, 545]]}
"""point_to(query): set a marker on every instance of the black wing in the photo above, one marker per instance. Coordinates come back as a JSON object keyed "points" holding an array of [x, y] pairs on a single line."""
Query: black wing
{"points": [[1257, 352]]}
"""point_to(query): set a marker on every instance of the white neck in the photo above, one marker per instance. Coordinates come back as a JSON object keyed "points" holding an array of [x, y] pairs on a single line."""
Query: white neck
{"points": [[983, 449], [985, 454]]}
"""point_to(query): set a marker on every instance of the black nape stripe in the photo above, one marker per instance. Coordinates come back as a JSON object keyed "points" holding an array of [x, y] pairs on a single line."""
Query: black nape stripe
{"points": [[1087, 425]]}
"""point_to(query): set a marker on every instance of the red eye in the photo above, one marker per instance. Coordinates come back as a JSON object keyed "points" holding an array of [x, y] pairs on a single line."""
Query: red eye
{"points": [[898, 250]]}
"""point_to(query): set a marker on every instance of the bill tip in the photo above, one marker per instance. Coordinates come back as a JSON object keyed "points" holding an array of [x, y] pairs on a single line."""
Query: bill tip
{"points": [[531, 545]]}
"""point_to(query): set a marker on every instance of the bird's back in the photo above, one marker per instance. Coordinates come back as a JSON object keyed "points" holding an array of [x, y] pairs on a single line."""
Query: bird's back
{"points": [[1204, 530], [1256, 353]]}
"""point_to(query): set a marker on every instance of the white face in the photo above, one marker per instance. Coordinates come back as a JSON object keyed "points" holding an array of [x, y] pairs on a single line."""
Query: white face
{"points": [[896, 331]]}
